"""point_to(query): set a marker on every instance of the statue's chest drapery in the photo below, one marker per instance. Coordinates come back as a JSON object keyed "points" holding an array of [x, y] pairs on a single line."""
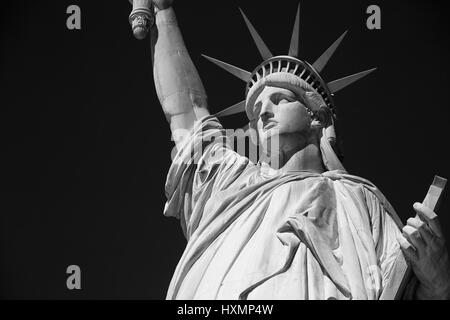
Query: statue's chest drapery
{"points": [[269, 243], [253, 234]]}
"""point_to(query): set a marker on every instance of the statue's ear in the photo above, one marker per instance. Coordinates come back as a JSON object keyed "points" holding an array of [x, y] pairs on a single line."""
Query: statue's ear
{"points": [[325, 116], [324, 121]]}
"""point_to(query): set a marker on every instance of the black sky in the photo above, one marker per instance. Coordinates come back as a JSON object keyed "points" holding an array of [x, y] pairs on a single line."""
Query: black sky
{"points": [[86, 148]]}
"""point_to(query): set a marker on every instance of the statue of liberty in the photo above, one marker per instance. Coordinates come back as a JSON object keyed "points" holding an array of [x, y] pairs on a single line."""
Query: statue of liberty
{"points": [[293, 224]]}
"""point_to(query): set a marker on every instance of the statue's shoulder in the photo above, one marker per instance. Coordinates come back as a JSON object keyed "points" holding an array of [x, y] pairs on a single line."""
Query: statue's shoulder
{"points": [[363, 184], [371, 191], [350, 179]]}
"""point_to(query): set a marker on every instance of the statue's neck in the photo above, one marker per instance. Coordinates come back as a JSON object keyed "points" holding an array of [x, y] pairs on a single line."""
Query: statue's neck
{"points": [[298, 156], [307, 159]]}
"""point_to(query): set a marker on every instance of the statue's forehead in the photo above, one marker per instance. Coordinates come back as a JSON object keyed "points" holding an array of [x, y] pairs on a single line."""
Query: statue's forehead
{"points": [[271, 90]]}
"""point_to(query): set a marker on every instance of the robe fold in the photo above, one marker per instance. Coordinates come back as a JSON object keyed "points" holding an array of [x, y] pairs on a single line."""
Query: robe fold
{"points": [[255, 233]]}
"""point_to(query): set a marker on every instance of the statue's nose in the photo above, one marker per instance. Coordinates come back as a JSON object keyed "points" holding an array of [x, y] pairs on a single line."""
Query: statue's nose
{"points": [[265, 116], [266, 111]]}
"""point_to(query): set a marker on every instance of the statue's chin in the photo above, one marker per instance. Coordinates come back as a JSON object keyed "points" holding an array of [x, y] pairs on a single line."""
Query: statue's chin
{"points": [[267, 134]]}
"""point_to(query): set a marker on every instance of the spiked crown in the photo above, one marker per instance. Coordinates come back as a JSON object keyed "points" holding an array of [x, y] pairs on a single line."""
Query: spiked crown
{"points": [[305, 73]]}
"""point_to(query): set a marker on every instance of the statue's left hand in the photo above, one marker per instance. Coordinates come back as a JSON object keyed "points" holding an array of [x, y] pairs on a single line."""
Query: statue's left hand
{"points": [[424, 246]]}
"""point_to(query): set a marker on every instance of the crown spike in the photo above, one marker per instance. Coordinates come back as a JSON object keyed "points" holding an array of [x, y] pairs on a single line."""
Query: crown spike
{"points": [[262, 48], [237, 108], [340, 84], [320, 63], [294, 47], [237, 72]]}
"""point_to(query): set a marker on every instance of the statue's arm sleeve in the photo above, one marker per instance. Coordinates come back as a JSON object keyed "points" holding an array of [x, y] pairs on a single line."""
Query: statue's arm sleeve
{"points": [[203, 165], [177, 82], [386, 230]]}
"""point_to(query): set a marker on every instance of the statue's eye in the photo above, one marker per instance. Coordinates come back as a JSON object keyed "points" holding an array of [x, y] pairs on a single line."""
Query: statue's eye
{"points": [[284, 100]]}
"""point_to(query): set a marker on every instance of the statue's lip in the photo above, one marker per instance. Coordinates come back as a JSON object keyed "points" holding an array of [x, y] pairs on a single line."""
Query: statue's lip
{"points": [[269, 124]]}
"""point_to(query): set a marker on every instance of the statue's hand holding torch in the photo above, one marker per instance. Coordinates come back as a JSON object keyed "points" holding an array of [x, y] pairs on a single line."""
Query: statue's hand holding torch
{"points": [[142, 16]]}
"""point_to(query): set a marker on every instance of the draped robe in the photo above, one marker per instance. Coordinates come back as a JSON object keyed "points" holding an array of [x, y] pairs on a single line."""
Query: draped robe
{"points": [[256, 233]]}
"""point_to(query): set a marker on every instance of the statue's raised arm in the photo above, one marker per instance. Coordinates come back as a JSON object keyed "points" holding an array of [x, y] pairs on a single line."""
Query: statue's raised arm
{"points": [[178, 85]]}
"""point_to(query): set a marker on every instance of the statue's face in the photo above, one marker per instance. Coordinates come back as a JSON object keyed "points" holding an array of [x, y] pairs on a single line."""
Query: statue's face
{"points": [[280, 114]]}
